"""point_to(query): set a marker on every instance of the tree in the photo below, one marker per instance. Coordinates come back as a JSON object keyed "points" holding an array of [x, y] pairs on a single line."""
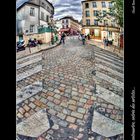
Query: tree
{"points": [[117, 11]]}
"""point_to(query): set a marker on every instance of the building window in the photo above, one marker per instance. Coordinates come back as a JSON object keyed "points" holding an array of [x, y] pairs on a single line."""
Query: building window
{"points": [[62, 21], [104, 12], [66, 20], [95, 22], [42, 15], [87, 14], [67, 26], [47, 18], [63, 26], [88, 22], [87, 5], [110, 4], [103, 4], [94, 4], [95, 12], [32, 28], [32, 11]]}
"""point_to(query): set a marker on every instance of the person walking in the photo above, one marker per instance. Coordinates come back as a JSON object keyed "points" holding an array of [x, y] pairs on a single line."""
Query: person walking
{"points": [[83, 39], [104, 41], [63, 38]]}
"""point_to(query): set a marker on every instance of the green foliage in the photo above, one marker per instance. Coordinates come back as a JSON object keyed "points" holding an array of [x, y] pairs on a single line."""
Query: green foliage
{"points": [[115, 13]]}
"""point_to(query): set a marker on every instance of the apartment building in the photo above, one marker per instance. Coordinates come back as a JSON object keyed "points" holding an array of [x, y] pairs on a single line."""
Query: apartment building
{"points": [[90, 24], [69, 25], [33, 14]]}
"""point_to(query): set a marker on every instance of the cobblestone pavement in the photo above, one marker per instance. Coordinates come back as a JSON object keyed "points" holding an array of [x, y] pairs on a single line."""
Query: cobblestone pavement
{"points": [[62, 92]]}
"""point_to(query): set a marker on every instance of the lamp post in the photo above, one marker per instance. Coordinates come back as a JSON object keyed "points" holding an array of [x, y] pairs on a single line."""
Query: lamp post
{"points": [[51, 25], [107, 33]]}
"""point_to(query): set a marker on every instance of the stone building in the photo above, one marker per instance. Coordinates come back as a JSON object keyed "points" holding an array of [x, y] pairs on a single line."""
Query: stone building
{"points": [[32, 15], [90, 25]]}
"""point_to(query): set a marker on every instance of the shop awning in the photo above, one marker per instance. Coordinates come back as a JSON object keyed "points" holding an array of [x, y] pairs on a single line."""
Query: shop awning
{"points": [[64, 30]]}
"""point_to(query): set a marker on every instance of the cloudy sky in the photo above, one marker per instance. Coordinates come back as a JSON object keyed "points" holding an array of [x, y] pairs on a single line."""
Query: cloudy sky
{"points": [[67, 7]]}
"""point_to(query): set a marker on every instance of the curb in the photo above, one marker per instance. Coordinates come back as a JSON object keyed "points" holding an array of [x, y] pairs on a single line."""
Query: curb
{"points": [[40, 51]]}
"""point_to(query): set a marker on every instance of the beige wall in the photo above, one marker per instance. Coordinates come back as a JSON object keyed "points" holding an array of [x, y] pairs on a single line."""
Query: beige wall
{"points": [[91, 9], [45, 37]]}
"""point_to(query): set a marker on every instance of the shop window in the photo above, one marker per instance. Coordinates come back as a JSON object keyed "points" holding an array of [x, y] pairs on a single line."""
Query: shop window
{"points": [[96, 33]]}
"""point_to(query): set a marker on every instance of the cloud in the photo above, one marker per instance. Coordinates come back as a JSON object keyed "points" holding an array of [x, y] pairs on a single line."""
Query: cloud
{"points": [[67, 7]]}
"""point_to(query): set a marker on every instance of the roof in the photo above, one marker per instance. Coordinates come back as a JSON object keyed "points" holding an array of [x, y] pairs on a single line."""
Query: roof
{"points": [[19, 3], [69, 17]]}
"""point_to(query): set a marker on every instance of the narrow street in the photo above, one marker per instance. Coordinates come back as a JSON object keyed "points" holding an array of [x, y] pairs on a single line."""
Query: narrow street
{"points": [[71, 92]]}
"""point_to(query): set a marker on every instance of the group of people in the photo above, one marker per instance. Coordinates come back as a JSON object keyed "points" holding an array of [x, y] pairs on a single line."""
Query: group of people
{"points": [[83, 38]]}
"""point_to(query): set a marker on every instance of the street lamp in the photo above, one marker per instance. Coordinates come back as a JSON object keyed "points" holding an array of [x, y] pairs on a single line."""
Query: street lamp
{"points": [[51, 25], [107, 30]]}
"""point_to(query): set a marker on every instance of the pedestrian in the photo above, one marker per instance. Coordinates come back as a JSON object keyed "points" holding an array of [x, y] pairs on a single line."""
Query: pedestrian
{"points": [[104, 41], [63, 38], [83, 39], [88, 36]]}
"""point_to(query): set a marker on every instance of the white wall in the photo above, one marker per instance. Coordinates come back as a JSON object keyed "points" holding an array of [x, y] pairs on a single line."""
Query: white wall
{"points": [[24, 14]]}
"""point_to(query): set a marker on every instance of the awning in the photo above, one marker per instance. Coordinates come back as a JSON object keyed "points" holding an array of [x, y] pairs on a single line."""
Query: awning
{"points": [[64, 30]]}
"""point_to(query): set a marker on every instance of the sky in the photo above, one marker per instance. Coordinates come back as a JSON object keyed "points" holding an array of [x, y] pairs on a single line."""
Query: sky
{"points": [[64, 8], [67, 7]]}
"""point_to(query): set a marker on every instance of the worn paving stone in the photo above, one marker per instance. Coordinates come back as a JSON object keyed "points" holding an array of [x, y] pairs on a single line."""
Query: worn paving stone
{"points": [[72, 102], [35, 125], [81, 110], [83, 100], [105, 126], [70, 119], [72, 107], [27, 108], [57, 96], [61, 116], [77, 115], [73, 126]]}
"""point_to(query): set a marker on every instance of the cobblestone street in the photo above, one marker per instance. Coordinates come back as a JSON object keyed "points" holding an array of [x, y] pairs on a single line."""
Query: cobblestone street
{"points": [[70, 92]]}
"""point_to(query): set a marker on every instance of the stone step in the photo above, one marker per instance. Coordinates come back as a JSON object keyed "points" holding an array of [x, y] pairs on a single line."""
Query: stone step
{"points": [[114, 72], [96, 49], [27, 58], [28, 73], [106, 127], [109, 79], [109, 60], [110, 97], [109, 57], [28, 91], [35, 125], [18, 66], [109, 63]]}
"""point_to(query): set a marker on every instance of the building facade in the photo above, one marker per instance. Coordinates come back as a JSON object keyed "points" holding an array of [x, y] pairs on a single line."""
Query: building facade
{"points": [[33, 14], [68, 25], [98, 29]]}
